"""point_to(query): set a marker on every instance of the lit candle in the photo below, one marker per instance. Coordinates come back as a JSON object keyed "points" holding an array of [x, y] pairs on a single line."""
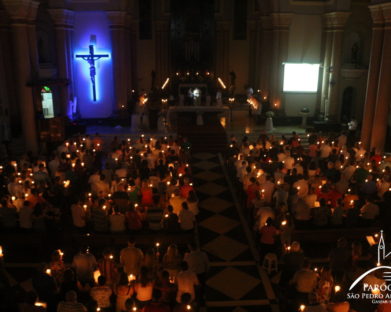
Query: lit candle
{"points": [[337, 288], [1, 252], [48, 272], [111, 257], [284, 222], [131, 277], [60, 253], [302, 308], [40, 304]]}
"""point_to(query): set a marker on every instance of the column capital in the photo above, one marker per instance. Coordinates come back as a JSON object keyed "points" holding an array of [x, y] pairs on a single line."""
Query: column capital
{"points": [[62, 17], [21, 11], [386, 9], [117, 19], [336, 20], [376, 14], [281, 20]]}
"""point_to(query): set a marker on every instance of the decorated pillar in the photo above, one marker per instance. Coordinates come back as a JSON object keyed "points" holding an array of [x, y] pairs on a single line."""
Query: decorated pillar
{"points": [[336, 22], [281, 23], [373, 74], [20, 13], [63, 22], [383, 99], [222, 50], [117, 21]]}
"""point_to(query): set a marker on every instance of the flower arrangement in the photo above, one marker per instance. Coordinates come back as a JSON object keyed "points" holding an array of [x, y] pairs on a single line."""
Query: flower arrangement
{"points": [[269, 114]]}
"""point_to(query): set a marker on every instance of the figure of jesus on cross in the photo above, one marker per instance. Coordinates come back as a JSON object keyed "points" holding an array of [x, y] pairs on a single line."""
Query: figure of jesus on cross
{"points": [[91, 58]]}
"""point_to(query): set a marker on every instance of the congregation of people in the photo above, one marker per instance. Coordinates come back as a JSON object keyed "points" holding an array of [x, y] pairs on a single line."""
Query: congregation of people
{"points": [[132, 280], [139, 184], [85, 186], [327, 184]]}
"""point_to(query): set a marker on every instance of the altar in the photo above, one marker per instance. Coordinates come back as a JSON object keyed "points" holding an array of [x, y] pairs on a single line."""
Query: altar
{"points": [[200, 111]]}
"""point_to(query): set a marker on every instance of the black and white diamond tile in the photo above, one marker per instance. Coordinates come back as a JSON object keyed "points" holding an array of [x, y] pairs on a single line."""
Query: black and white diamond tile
{"points": [[234, 282]]}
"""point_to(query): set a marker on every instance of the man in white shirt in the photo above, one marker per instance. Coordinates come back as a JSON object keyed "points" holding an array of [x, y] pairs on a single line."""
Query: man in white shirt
{"points": [[186, 281], [186, 218], [131, 258]]}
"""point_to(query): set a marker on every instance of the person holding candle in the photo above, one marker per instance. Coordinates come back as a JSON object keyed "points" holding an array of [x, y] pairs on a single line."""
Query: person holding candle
{"points": [[101, 294], [123, 290]]}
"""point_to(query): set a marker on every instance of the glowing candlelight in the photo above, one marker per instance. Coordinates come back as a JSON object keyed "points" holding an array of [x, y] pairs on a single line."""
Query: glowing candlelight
{"points": [[13, 198], [131, 277], [48, 272], [284, 222], [302, 308], [1, 252], [337, 288], [111, 257], [85, 207], [40, 304], [188, 307], [60, 252]]}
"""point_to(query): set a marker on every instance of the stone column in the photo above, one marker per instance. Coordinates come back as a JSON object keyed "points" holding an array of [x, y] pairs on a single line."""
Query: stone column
{"points": [[222, 50], [162, 51], [19, 12], [373, 74], [281, 23], [383, 99], [266, 55], [117, 29], [336, 22], [63, 22], [326, 66]]}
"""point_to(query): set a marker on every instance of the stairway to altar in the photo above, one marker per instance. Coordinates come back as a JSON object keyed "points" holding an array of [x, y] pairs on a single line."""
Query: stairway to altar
{"points": [[209, 137]]}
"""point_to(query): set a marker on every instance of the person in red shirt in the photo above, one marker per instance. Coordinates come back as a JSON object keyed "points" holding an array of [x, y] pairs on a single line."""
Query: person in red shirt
{"points": [[251, 191], [268, 235]]}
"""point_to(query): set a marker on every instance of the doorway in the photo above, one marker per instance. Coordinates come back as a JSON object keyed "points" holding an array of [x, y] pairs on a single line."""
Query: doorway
{"points": [[347, 109]]}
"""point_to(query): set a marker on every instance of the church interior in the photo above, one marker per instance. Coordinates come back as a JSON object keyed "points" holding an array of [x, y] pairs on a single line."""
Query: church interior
{"points": [[200, 155]]}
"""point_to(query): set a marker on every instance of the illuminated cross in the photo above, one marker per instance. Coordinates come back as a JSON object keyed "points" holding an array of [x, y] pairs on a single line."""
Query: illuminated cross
{"points": [[91, 58]]}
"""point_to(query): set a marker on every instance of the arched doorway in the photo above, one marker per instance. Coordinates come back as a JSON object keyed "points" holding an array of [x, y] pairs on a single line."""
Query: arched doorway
{"points": [[347, 109]]}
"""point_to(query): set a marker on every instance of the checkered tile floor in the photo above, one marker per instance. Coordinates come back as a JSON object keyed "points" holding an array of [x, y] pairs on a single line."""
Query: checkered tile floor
{"points": [[235, 281]]}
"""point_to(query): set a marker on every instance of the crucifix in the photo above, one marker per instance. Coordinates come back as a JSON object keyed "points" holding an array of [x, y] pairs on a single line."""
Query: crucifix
{"points": [[91, 58]]}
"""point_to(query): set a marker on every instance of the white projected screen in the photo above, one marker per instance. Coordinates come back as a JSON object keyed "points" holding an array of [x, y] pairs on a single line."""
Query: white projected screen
{"points": [[301, 77]]}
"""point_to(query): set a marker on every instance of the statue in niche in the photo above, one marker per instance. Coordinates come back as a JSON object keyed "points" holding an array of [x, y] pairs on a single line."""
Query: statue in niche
{"points": [[355, 50]]}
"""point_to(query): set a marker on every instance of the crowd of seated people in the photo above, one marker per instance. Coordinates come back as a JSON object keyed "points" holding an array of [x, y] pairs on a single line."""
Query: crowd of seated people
{"points": [[325, 185], [86, 185], [132, 280], [130, 185]]}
